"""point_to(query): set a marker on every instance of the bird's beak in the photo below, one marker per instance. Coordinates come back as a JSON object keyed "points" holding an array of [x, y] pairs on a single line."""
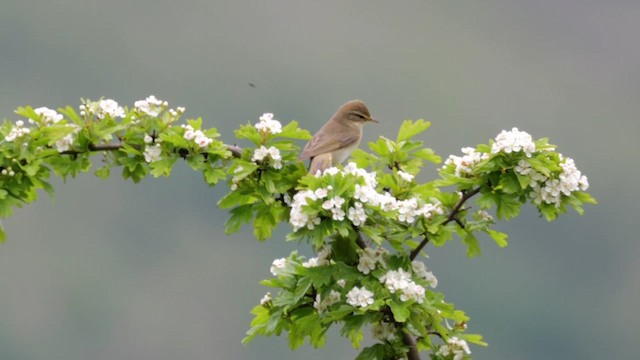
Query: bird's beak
{"points": [[373, 120]]}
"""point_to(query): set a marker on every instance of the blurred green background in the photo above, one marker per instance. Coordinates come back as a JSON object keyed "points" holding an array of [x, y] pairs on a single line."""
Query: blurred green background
{"points": [[112, 270]]}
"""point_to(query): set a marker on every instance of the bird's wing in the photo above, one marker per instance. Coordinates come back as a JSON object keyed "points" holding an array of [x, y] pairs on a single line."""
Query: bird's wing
{"points": [[320, 162], [321, 144]]}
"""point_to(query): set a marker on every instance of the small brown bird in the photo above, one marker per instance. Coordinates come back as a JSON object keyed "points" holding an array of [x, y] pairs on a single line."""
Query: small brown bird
{"points": [[337, 139]]}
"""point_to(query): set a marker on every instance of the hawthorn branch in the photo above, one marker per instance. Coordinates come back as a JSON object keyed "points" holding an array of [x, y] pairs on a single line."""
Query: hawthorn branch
{"points": [[235, 150], [453, 216], [410, 341]]}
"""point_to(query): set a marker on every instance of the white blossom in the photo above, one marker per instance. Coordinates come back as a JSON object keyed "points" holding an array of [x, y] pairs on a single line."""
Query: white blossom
{"points": [[196, 136], [272, 152], [266, 299], [369, 259], [405, 176], [383, 331], [268, 124], [483, 215], [456, 347], [550, 190], [359, 297], [321, 260], [322, 304], [152, 153], [513, 141], [413, 291], [64, 144], [109, 107], [400, 281], [147, 139], [277, 266], [17, 131], [465, 164], [356, 214], [297, 216], [341, 283], [523, 167], [150, 106], [420, 269], [48, 115]]}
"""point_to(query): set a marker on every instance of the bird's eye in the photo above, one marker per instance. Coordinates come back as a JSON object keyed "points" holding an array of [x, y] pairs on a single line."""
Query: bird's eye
{"points": [[358, 115]]}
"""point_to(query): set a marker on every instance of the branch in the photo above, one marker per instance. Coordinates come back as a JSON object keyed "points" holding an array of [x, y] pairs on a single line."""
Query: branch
{"points": [[410, 341], [452, 217], [235, 150]]}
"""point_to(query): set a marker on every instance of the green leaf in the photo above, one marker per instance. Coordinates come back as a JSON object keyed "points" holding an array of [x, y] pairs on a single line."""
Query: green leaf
{"points": [[509, 183], [320, 275], [212, 175], [3, 235], [375, 352], [428, 154], [473, 246], [499, 237], [103, 172], [400, 311], [292, 131], [236, 198], [474, 339], [508, 207], [352, 329], [409, 129], [162, 167], [239, 216], [305, 322], [249, 132]]}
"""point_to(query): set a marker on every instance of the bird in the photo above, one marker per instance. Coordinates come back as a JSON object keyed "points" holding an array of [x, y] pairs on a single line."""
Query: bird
{"points": [[338, 137]]}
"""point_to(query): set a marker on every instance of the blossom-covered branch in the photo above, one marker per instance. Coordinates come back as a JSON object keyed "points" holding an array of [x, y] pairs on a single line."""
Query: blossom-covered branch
{"points": [[367, 221]]}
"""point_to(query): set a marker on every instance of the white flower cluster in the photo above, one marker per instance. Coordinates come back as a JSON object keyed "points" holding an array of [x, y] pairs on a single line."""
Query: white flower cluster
{"points": [[409, 209], [266, 299], [322, 304], [420, 269], [405, 176], [321, 260], [550, 190], [48, 115], [366, 196], [65, 143], [359, 297], [268, 124], [262, 152], [152, 153], [456, 347], [335, 206], [277, 266], [370, 258], [102, 108], [513, 141], [400, 281], [197, 136], [150, 106], [483, 215], [466, 163], [297, 217], [17, 131], [356, 214], [383, 331]]}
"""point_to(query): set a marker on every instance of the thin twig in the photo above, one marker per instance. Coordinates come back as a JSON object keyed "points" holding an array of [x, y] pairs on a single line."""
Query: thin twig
{"points": [[453, 216], [235, 150]]}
